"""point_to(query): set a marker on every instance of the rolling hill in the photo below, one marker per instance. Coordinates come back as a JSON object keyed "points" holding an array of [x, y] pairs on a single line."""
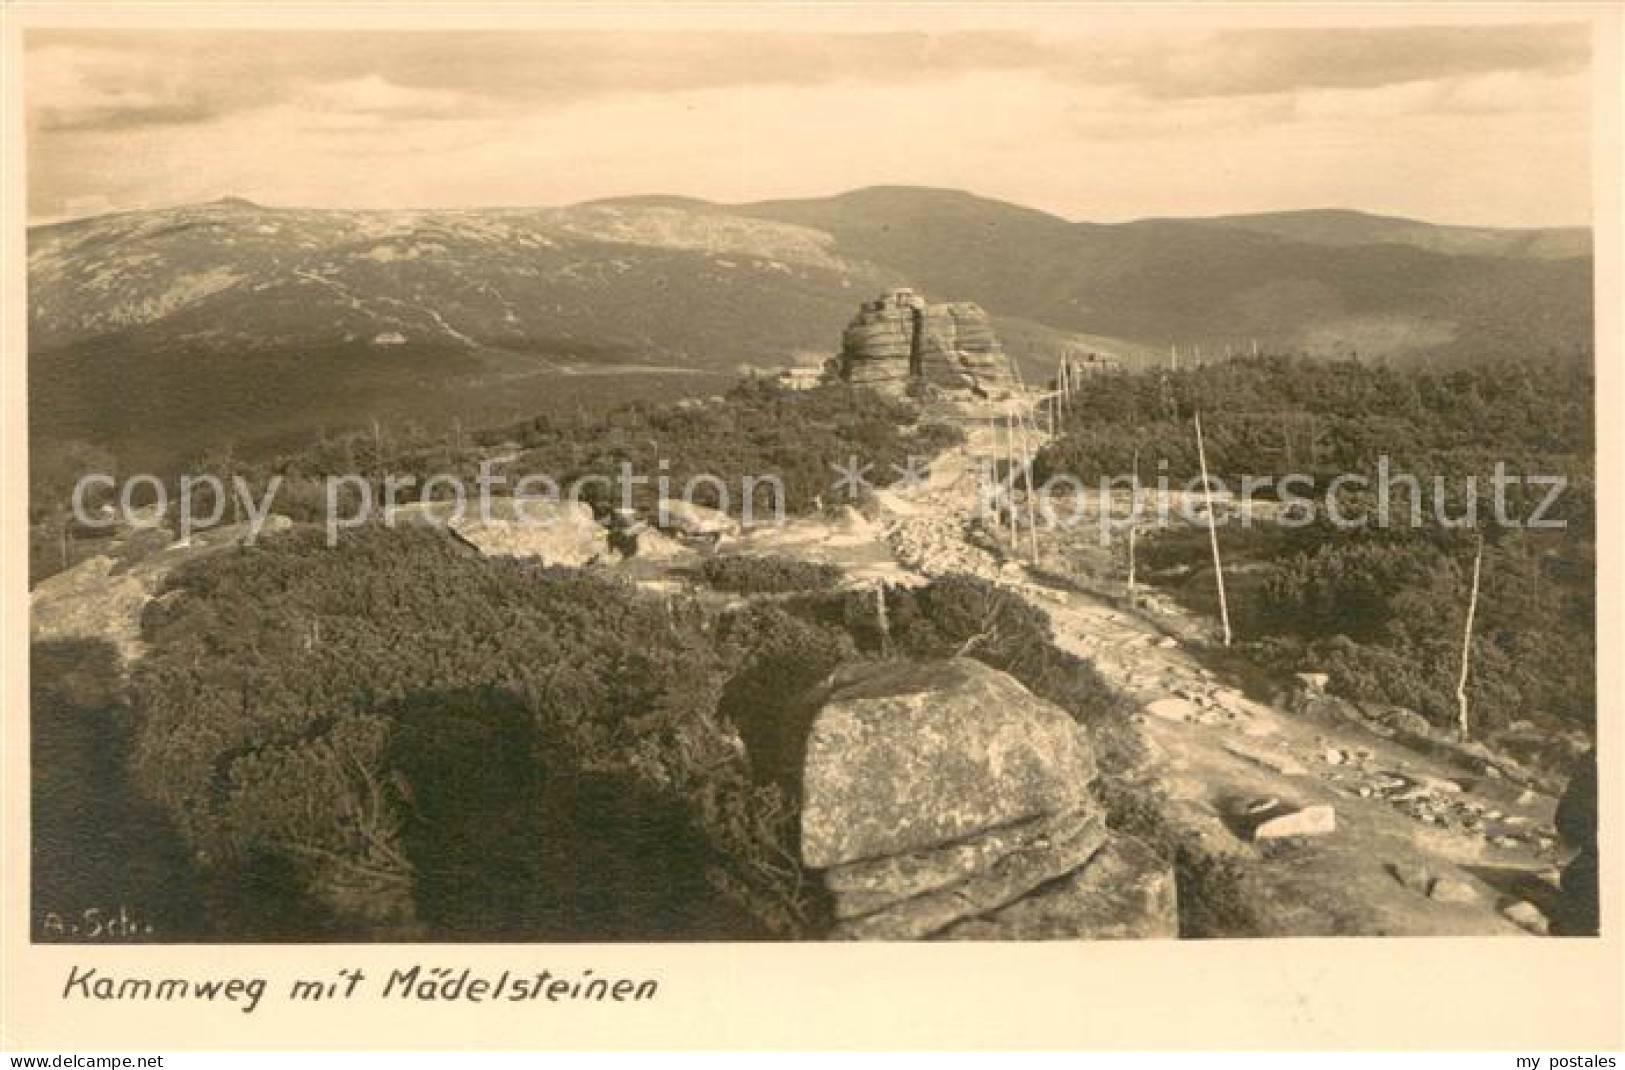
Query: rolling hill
{"points": [[1337, 226], [164, 333]]}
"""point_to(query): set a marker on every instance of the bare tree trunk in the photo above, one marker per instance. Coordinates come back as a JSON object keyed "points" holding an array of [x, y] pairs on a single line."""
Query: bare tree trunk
{"points": [[1462, 724], [1213, 531]]}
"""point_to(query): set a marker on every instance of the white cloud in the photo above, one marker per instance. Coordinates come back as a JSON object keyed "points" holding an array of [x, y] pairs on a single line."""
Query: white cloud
{"points": [[1116, 130]]}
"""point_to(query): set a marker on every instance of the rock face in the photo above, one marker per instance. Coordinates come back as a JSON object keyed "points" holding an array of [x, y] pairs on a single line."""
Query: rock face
{"points": [[939, 797], [898, 340]]}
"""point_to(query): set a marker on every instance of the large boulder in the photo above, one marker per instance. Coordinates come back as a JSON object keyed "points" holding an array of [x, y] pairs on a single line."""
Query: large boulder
{"points": [[695, 521], [941, 799], [542, 529], [909, 755]]}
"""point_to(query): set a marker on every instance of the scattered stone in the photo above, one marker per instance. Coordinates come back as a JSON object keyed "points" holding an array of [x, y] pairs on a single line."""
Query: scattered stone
{"points": [[1313, 682], [1177, 710], [1527, 916], [1447, 890], [1333, 756], [1318, 820], [1417, 878], [1167, 642]]}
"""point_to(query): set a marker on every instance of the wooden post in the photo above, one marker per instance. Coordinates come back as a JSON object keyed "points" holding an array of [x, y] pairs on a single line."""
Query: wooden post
{"points": [[1133, 517], [1212, 531], [880, 616], [1462, 723], [1009, 480], [1027, 477]]}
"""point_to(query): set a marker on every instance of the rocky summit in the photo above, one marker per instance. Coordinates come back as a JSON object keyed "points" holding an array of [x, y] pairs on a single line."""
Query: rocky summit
{"points": [[943, 799], [899, 341]]}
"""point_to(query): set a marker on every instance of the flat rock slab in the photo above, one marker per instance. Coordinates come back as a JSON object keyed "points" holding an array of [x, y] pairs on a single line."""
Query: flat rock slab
{"points": [[1005, 881], [1319, 820], [1173, 709], [866, 887], [1449, 890], [1125, 892], [1526, 916], [910, 755]]}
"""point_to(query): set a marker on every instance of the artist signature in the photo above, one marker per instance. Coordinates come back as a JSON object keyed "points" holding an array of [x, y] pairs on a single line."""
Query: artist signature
{"points": [[96, 923]]}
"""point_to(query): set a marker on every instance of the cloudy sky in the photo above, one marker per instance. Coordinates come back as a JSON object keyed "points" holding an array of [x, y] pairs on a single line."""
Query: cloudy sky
{"points": [[1476, 124]]}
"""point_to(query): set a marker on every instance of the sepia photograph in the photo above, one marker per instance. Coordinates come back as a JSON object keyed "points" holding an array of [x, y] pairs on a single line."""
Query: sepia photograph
{"points": [[808, 479]]}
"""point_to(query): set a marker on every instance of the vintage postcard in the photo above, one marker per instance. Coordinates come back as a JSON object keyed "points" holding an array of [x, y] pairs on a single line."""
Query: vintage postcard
{"points": [[812, 526]]}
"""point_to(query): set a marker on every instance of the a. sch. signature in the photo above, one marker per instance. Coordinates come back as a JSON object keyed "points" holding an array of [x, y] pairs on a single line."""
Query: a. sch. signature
{"points": [[120, 922]]}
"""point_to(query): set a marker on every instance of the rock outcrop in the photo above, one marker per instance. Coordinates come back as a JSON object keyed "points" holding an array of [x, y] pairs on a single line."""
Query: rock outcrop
{"points": [[898, 341], [943, 799], [103, 597], [541, 529], [684, 518]]}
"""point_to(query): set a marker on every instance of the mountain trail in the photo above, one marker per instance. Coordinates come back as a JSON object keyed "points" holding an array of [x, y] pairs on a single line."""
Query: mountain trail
{"points": [[1422, 846]]}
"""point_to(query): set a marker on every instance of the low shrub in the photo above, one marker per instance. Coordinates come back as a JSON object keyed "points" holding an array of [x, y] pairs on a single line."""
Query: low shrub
{"points": [[767, 575]]}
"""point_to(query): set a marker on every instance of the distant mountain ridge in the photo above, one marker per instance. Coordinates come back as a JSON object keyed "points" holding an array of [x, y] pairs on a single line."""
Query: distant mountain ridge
{"points": [[1341, 226], [226, 318]]}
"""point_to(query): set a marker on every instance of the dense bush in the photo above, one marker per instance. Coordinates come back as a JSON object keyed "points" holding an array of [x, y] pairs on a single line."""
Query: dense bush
{"points": [[96, 845], [430, 743], [273, 701], [1379, 609], [1384, 618], [767, 575]]}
